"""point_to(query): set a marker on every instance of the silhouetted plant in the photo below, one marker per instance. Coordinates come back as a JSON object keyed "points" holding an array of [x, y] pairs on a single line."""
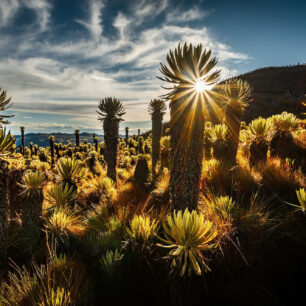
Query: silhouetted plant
{"points": [[96, 142], [32, 185], [77, 137], [220, 143], [165, 152], [31, 148], [110, 113], [157, 110], [22, 140], [282, 142], [141, 174], [237, 95], [140, 145], [126, 135], [259, 145], [51, 142]]}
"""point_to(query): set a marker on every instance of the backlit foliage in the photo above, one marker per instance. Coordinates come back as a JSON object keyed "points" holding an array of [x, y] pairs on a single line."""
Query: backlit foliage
{"points": [[301, 195], [110, 261], [141, 228], [188, 235], [60, 195], [260, 127], [6, 142], [69, 169], [32, 182], [64, 222], [285, 121], [218, 132], [236, 93]]}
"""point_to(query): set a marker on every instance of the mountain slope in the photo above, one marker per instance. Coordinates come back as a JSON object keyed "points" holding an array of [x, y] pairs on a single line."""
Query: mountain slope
{"points": [[276, 89]]}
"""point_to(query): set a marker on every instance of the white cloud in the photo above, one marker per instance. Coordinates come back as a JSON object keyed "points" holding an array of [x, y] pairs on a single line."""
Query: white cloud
{"points": [[94, 24], [194, 13], [42, 9], [8, 9]]}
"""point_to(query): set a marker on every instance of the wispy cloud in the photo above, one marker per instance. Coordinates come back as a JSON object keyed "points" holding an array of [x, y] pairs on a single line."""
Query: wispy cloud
{"points": [[42, 9], [94, 22], [8, 9], [178, 16]]}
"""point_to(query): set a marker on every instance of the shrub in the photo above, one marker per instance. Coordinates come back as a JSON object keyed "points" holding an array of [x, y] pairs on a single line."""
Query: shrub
{"points": [[110, 261], [60, 195], [64, 222], [141, 228]]}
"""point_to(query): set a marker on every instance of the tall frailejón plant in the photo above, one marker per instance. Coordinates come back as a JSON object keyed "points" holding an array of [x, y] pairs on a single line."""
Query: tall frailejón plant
{"points": [[237, 95], [33, 198], [51, 142], [6, 143], [157, 109], [191, 71], [126, 135], [22, 140], [77, 137], [110, 113]]}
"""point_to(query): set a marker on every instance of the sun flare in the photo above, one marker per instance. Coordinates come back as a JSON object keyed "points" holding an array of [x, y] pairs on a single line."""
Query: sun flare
{"points": [[201, 86]]}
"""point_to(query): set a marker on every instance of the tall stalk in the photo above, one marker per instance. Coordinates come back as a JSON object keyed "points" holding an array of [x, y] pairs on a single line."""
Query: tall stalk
{"points": [[110, 113], [22, 140], [190, 70], [157, 110]]}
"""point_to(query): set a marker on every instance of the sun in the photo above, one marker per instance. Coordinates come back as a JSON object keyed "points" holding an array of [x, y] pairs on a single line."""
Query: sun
{"points": [[201, 86]]}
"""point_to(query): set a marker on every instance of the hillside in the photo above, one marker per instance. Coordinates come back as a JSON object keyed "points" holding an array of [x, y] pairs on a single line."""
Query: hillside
{"points": [[276, 89]]}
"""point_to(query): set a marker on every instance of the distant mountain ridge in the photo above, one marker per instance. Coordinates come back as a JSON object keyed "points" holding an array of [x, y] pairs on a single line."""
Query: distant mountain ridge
{"points": [[42, 139]]}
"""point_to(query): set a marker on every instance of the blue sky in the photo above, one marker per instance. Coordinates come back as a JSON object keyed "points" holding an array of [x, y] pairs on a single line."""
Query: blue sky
{"points": [[58, 58]]}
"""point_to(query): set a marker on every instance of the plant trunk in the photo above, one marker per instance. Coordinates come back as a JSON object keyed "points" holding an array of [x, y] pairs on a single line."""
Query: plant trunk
{"points": [[141, 174], [126, 135], [282, 145], [233, 122], [157, 126], [15, 199], [32, 211], [187, 139], [22, 142], [207, 148], [77, 139], [258, 152], [111, 135]]}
